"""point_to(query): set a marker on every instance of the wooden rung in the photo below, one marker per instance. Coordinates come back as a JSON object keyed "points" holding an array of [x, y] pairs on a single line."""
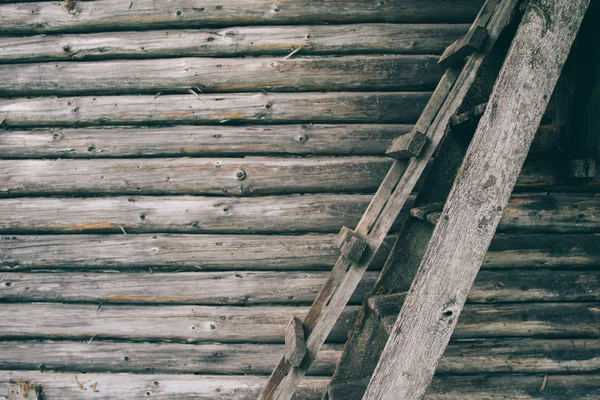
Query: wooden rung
{"points": [[584, 168], [295, 345], [464, 46], [22, 390], [351, 245], [422, 212], [407, 146], [467, 116]]}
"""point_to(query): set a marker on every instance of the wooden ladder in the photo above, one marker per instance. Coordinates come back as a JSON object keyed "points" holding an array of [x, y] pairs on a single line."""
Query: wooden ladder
{"points": [[413, 152]]}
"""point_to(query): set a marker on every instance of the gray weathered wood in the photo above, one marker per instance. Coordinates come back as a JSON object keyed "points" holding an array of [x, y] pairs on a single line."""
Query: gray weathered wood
{"points": [[177, 252], [526, 212], [485, 356], [235, 41], [408, 145], [295, 343], [464, 46], [260, 288], [107, 142], [342, 107], [47, 17], [224, 75], [22, 390], [194, 176], [351, 245], [266, 324], [475, 204]]}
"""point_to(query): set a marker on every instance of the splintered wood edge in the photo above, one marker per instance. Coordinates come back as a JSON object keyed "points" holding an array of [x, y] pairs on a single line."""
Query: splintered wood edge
{"points": [[407, 146], [24, 390], [295, 345], [351, 245]]}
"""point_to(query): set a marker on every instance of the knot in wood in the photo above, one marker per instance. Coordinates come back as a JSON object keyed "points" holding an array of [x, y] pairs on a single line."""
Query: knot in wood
{"points": [[240, 175]]}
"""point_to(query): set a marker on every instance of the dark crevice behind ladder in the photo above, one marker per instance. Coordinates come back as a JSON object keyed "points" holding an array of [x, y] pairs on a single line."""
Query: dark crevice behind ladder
{"points": [[464, 88]]}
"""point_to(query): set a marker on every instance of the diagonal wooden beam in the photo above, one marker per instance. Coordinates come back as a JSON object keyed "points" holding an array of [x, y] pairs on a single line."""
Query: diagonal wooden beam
{"points": [[477, 199]]}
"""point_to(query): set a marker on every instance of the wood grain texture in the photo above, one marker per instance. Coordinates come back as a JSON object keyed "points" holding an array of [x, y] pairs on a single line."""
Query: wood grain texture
{"points": [[175, 141], [287, 288], [189, 252], [266, 324], [475, 204], [235, 41], [194, 176], [341, 107], [218, 387], [222, 75], [492, 356], [49, 17]]}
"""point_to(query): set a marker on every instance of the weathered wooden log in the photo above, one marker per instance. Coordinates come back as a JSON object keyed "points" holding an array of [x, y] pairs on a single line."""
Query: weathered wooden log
{"points": [[262, 324], [49, 17], [235, 41], [295, 343], [195, 176], [493, 356], [342, 107], [187, 324], [185, 214], [176, 252], [247, 387], [287, 288], [222, 75], [371, 139], [526, 212], [22, 390]]}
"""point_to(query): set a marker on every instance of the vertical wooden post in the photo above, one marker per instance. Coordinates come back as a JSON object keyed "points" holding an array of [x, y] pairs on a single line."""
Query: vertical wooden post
{"points": [[478, 197]]}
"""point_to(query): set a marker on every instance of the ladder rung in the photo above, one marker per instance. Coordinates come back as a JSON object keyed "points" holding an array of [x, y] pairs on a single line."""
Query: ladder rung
{"points": [[407, 146], [295, 345], [464, 46], [351, 245]]}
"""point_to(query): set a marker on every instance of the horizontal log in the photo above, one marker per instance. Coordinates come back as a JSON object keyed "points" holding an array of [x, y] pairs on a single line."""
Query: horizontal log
{"points": [[173, 252], [461, 357], [235, 41], [262, 324], [247, 387], [106, 142], [559, 320], [222, 75], [50, 17], [526, 212], [196, 176], [236, 177], [288, 288], [340, 107], [199, 141]]}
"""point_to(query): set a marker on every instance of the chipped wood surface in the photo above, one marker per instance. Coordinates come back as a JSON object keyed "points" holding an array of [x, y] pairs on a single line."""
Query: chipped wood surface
{"points": [[340, 107], [235, 41], [462, 357], [49, 17], [295, 343], [477, 199], [222, 75]]}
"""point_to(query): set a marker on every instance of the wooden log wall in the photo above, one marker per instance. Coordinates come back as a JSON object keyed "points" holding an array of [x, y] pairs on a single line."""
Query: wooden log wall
{"points": [[174, 176]]}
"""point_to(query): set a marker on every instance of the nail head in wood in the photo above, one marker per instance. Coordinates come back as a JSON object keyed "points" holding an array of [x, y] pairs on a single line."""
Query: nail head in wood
{"points": [[295, 345], [464, 46], [407, 146], [351, 245], [22, 390]]}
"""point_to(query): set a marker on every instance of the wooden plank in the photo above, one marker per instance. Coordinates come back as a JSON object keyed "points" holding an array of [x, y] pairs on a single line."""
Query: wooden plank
{"points": [[340, 107], [182, 252], [326, 213], [266, 324], [475, 204], [175, 141], [195, 176], [218, 387], [295, 344], [49, 17], [235, 41], [222, 75], [186, 324], [462, 357], [22, 390], [262, 288]]}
